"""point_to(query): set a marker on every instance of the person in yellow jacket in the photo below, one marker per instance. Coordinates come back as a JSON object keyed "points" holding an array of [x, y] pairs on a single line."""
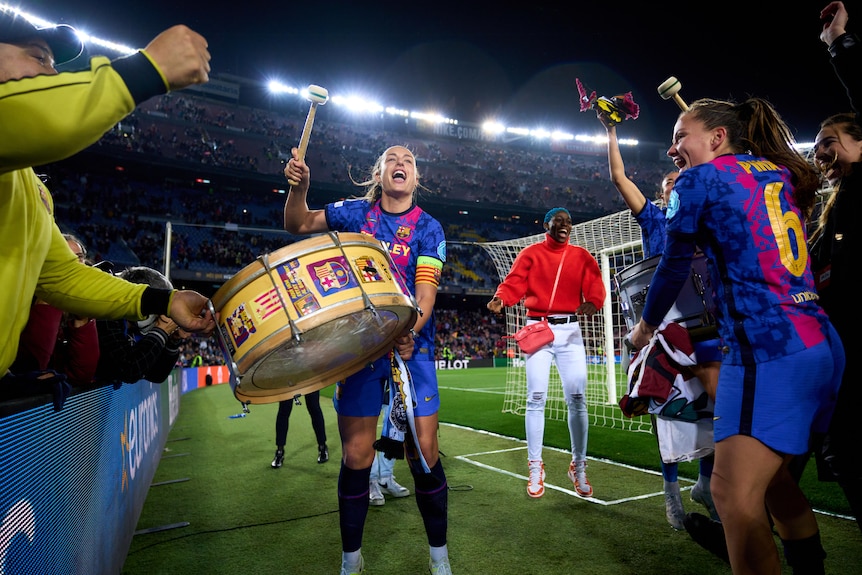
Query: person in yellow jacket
{"points": [[45, 117]]}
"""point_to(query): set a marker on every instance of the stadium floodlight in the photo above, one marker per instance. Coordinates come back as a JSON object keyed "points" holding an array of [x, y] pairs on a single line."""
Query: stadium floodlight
{"points": [[432, 117], [26, 15], [592, 139], [357, 104], [85, 38], [518, 131], [493, 127], [277, 87], [121, 49], [603, 140], [540, 134], [397, 112]]}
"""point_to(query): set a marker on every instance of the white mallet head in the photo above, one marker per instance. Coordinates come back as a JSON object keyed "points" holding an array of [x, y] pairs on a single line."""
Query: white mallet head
{"points": [[670, 89], [317, 95]]}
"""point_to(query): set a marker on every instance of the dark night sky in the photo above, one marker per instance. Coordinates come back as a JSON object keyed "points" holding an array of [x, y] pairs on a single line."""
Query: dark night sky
{"points": [[475, 60]]}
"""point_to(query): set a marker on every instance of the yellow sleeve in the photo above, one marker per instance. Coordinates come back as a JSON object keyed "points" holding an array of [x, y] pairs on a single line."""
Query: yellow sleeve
{"points": [[45, 119], [84, 290]]}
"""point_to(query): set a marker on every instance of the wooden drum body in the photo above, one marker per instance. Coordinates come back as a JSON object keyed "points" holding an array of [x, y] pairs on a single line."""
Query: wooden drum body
{"points": [[310, 314]]}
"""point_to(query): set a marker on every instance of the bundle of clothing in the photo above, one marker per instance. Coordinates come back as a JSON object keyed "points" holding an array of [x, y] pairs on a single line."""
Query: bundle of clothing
{"points": [[662, 385], [660, 380]]}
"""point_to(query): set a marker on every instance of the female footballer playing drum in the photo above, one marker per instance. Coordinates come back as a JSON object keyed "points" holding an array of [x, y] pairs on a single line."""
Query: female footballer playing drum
{"points": [[415, 240]]}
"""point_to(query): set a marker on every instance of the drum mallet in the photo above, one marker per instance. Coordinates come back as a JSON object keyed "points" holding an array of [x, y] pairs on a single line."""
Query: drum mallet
{"points": [[317, 96], [670, 89]]}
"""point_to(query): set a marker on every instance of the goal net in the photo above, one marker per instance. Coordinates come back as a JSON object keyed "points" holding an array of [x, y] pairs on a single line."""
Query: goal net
{"points": [[615, 242]]}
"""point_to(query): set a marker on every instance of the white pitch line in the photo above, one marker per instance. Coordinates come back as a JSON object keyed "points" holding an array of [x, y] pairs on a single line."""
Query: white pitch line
{"points": [[525, 478], [467, 458], [486, 390], [547, 448]]}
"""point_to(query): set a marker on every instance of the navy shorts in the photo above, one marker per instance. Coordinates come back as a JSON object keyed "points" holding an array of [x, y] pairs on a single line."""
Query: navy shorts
{"points": [[780, 402], [361, 394]]}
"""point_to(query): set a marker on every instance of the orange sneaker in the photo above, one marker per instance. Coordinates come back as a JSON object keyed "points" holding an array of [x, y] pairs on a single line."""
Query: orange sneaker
{"points": [[536, 483], [578, 476]]}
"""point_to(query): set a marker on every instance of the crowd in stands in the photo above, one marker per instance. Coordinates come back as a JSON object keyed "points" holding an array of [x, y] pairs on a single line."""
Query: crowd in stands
{"points": [[222, 229], [209, 133], [197, 351], [470, 334], [123, 219]]}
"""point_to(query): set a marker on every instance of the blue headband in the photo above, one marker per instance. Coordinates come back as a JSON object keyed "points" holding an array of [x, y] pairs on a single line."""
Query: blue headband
{"points": [[553, 211]]}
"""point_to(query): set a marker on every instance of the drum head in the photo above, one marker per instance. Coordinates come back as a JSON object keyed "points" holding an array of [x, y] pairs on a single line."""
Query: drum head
{"points": [[325, 354]]}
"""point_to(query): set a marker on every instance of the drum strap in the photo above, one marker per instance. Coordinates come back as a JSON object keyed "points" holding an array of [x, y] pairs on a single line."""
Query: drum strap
{"points": [[400, 423], [554, 291]]}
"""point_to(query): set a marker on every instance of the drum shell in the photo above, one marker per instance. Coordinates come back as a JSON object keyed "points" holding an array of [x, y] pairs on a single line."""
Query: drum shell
{"points": [[310, 314], [694, 307]]}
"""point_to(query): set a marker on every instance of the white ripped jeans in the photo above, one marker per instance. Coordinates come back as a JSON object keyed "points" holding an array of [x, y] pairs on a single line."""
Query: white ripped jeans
{"points": [[567, 351]]}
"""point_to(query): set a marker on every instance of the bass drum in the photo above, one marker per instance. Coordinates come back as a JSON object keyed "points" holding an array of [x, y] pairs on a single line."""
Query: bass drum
{"points": [[310, 314]]}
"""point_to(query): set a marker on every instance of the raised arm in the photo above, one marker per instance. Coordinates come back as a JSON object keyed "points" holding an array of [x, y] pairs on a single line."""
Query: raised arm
{"points": [[844, 50], [834, 18], [631, 194], [298, 218]]}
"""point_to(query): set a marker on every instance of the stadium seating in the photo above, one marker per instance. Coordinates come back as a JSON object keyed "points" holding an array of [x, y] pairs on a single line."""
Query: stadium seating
{"points": [[209, 169]]}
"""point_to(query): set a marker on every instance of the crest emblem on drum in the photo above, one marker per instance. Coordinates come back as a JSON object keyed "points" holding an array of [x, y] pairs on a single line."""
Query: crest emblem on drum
{"points": [[302, 299], [306, 305], [368, 270], [332, 275], [240, 325], [294, 285]]}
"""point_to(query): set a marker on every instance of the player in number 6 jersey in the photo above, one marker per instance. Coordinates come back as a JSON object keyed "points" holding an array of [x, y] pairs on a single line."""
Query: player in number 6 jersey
{"points": [[742, 196]]}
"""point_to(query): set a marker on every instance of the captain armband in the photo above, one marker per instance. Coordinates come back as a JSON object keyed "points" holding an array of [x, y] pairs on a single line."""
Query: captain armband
{"points": [[428, 270]]}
